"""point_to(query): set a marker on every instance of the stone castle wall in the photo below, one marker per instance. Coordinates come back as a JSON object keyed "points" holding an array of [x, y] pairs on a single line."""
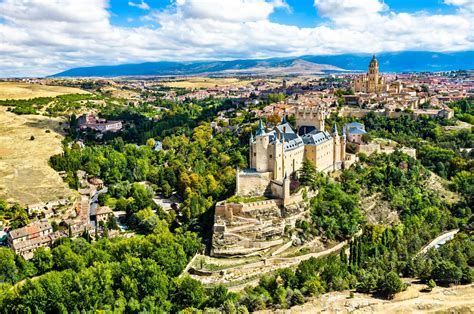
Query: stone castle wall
{"points": [[253, 184]]}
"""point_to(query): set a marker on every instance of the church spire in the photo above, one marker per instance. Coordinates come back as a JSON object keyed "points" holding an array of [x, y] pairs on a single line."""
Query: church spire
{"points": [[261, 129], [334, 129], [283, 120]]}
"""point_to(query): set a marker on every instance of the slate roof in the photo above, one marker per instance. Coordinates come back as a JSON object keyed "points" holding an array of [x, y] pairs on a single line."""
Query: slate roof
{"points": [[355, 125], [356, 131], [317, 138]]}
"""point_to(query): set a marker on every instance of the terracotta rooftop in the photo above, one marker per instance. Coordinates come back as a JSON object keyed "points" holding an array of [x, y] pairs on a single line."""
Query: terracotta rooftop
{"points": [[30, 229]]}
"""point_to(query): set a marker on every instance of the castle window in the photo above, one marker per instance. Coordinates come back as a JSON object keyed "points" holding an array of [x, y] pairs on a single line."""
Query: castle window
{"points": [[271, 156], [254, 154]]}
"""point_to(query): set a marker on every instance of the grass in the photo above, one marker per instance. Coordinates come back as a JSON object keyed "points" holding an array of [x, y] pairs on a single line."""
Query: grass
{"points": [[202, 264], [19, 90], [241, 199], [25, 175]]}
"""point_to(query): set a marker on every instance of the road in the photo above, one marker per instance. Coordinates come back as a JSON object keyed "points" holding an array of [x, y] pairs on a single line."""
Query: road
{"points": [[94, 201], [440, 240]]}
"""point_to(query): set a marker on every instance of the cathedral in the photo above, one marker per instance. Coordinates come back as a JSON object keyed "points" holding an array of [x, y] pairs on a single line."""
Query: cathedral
{"points": [[371, 82], [279, 153]]}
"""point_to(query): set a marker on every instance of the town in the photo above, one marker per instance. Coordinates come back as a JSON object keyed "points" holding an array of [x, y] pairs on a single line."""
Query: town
{"points": [[272, 146], [310, 101]]}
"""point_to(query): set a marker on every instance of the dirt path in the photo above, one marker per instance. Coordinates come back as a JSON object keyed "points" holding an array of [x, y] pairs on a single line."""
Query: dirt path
{"points": [[457, 299]]}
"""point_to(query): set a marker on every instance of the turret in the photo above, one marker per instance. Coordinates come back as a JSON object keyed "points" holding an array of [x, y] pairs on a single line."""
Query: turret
{"points": [[260, 158], [343, 147], [334, 130], [286, 189], [336, 148], [261, 129], [237, 181], [251, 150]]}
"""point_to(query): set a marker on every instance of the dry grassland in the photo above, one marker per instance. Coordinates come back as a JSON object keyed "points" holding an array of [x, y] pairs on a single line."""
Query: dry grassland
{"points": [[25, 175], [457, 299], [205, 82], [18, 90]]}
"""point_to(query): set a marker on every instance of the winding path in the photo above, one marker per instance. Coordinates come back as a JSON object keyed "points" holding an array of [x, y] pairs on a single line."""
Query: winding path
{"points": [[438, 241]]}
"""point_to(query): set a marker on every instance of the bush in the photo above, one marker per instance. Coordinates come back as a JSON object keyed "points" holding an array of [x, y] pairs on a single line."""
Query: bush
{"points": [[391, 284], [431, 284]]}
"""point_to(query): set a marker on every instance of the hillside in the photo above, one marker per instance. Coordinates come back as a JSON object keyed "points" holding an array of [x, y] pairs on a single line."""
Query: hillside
{"points": [[389, 62], [18, 90]]}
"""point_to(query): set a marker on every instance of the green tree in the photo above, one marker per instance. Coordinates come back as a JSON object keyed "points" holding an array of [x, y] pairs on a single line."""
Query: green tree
{"points": [[189, 293], [308, 175], [391, 284], [43, 260], [8, 270]]}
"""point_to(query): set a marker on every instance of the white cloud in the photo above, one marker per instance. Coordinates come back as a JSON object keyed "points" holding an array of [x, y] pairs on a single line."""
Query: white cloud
{"points": [[335, 8], [459, 2], [141, 5], [41, 37], [229, 10]]}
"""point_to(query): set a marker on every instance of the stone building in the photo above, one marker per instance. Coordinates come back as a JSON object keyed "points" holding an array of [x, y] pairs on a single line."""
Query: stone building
{"points": [[103, 213], [277, 154], [371, 82], [90, 121], [26, 240], [354, 132]]}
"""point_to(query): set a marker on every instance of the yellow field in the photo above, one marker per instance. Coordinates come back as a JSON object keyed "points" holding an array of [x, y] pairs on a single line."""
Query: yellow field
{"points": [[18, 90], [205, 82], [25, 175]]}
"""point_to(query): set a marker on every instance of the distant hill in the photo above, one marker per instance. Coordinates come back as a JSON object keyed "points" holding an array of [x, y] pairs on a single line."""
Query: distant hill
{"points": [[407, 61]]}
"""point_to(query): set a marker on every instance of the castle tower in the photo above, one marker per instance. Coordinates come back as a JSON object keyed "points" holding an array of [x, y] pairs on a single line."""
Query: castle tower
{"points": [[373, 75], [260, 154], [320, 117], [343, 148], [237, 181], [251, 142], [310, 117], [336, 148], [286, 189]]}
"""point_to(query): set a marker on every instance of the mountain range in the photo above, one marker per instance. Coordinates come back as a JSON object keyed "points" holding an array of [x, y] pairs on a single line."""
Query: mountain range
{"points": [[407, 61]]}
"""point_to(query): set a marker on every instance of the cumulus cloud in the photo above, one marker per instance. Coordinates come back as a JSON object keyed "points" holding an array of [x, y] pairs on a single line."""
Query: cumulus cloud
{"points": [[459, 2], [229, 10], [41, 37], [141, 5], [334, 8]]}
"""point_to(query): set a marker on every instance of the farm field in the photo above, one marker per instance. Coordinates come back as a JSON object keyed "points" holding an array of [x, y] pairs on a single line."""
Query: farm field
{"points": [[25, 175], [19, 90], [204, 82]]}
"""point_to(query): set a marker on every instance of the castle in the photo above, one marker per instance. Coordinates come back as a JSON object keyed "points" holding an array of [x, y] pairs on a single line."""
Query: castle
{"points": [[258, 222], [277, 154], [371, 82]]}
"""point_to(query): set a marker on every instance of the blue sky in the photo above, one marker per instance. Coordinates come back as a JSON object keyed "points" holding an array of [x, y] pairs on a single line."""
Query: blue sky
{"points": [[40, 37], [302, 13]]}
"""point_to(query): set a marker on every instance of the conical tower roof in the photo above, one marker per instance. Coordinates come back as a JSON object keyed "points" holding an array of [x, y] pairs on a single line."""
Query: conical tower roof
{"points": [[334, 129], [261, 129]]}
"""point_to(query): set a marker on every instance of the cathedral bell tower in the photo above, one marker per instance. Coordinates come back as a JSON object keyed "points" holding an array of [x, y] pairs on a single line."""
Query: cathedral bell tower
{"points": [[373, 75]]}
